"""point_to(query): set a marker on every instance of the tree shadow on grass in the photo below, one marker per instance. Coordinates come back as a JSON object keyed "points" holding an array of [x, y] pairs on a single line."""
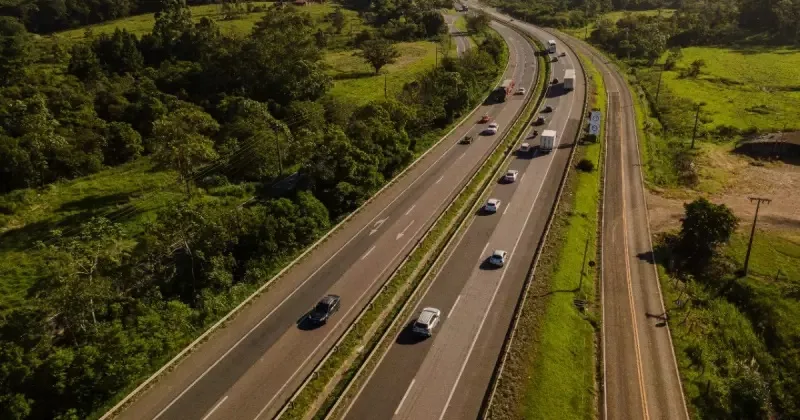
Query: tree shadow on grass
{"points": [[353, 75], [94, 203]]}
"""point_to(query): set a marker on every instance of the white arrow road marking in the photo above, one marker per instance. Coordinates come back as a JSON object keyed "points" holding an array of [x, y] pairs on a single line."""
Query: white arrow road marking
{"points": [[400, 235], [377, 226]]}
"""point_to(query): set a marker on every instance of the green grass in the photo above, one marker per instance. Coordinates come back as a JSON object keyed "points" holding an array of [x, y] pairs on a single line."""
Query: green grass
{"points": [[63, 206], [614, 17], [356, 80], [562, 381], [772, 251], [130, 194], [143, 24], [742, 88]]}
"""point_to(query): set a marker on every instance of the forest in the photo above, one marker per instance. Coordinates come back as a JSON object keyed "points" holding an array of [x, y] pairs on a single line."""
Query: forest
{"points": [[263, 162]]}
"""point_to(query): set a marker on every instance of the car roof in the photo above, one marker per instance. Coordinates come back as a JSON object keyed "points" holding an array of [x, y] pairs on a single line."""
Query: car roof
{"points": [[427, 314], [498, 252], [329, 299], [512, 171], [493, 201]]}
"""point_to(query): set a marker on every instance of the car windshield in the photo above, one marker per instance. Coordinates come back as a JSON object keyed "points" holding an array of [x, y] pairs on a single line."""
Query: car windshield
{"points": [[322, 307], [420, 325]]}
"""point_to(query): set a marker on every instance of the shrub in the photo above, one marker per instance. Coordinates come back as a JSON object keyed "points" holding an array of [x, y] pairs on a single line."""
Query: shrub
{"points": [[585, 165]]}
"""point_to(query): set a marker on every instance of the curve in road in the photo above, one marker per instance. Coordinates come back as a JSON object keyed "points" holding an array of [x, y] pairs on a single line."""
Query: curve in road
{"points": [[249, 368], [447, 375]]}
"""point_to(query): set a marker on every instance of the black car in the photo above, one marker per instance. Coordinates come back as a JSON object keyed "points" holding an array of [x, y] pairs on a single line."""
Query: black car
{"points": [[466, 140], [538, 121], [548, 108], [326, 307]]}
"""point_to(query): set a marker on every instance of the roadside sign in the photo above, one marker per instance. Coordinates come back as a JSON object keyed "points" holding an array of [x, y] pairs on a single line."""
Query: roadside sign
{"points": [[594, 129], [595, 117]]}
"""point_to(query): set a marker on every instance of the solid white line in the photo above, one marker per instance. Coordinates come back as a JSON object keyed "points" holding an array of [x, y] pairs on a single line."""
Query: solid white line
{"points": [[502, 276], [301, 285], [439, 180], [399, 406], [366, 254], [454, 306], [333, 329], [409, 210], [215, 408]]}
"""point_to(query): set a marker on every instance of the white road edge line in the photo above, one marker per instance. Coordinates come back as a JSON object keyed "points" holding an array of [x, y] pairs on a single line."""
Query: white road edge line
{"points": [[333, 329], [502, 276], [454, 306], [366, 254], [399, 406], [301, 285], [215, 408]]}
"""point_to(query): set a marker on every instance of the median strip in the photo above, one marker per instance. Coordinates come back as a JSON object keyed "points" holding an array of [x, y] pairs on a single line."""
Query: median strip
{"points": [[335, 374]]}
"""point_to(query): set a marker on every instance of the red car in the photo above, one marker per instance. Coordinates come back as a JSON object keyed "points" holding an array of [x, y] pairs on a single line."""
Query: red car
{"points": [[485, 119]]}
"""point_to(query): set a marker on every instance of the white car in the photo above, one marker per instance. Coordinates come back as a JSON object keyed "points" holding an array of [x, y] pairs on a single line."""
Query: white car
{"points": [[492, 205], [493, 125], [524, 148], [498, 258], [521, 91], [490, 131], [511, 175], [427, 321]]}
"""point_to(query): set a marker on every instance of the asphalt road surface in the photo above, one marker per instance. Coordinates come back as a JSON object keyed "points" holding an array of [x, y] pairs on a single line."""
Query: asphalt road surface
{"points": [[461, 39], [447, 375], [250, 368], [641, 377]]}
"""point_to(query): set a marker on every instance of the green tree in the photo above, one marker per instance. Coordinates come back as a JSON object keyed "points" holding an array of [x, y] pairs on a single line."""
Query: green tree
{"points": [[478, 21], [81, 267], [123, 143], [378, 53], [14, 50], [83, 63], [695, 68], [337, 19], [705, 226], [181, 142]]}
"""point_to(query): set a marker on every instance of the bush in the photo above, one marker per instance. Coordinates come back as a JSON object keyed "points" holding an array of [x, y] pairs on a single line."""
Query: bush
{"points": [[585, 165]]}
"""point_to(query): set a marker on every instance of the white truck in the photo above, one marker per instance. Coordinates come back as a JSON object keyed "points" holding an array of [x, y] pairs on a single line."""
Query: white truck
{"points": [[547, 141], [551, 46], [569, 79]]}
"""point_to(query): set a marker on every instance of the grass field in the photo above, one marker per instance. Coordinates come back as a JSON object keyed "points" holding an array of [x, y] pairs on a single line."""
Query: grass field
{"points": [[614, 17], [552, 375], [355, 80], [143, 24], [130, 194], [743, 88]]}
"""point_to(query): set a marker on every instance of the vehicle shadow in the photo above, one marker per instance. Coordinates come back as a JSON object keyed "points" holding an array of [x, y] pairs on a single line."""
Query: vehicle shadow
{"points": [[407, 337], [305, 324], [486, 265]]}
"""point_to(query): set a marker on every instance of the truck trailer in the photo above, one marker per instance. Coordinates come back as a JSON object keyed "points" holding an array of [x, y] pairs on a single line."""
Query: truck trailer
{"points": [[501, 92], [547, 141], [569, 79]]}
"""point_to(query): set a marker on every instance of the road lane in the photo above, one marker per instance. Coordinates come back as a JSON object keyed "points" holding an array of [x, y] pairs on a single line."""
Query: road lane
{"points": [[641, 378], [235, 357], [438, 366]]}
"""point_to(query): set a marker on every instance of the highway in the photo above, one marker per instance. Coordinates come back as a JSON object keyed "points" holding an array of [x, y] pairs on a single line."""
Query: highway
{"points": [[447, 375], [461, 39], [640, 374], [249, 368]]}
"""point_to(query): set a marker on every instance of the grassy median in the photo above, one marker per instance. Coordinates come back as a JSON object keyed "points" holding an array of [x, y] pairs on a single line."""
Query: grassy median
{"points": [[359, 341], [550, 369]]}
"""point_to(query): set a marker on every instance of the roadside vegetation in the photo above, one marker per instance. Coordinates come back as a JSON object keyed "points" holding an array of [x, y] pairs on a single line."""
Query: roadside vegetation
{"points": [[734, 65], [151, 182], [550, 368]]}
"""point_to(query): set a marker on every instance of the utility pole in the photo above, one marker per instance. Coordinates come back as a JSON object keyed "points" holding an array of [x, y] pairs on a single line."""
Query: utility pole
{"points": [[758, 201], [384, 86], [696, 120]]}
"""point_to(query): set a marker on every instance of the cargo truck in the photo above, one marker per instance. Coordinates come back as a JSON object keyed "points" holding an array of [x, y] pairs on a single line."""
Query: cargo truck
{"points": [[501, 93], [547, 141], [569, 79]]}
